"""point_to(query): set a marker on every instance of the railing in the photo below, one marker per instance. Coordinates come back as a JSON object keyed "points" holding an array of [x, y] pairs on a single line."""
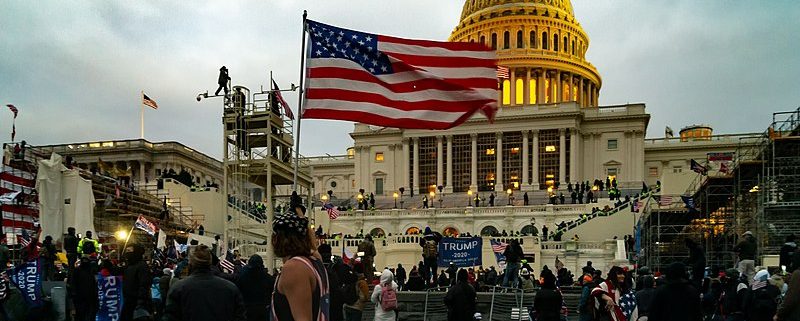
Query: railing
{"points": [[613, 211], [730, 138], [562, 210]]}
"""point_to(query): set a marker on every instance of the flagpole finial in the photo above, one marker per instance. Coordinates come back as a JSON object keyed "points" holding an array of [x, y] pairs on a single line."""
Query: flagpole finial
{"points": [[305, 14]]}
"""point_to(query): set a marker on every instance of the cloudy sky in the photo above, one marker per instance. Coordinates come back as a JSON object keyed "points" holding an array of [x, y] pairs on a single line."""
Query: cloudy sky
{"points": [[75, 68]]}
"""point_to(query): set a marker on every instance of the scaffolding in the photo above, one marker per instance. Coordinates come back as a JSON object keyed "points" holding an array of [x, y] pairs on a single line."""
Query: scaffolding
{"points": [[257, 152]]}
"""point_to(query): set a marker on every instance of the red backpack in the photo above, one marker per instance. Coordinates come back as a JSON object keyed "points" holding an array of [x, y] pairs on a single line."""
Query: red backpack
{"points": [[388, 297]]}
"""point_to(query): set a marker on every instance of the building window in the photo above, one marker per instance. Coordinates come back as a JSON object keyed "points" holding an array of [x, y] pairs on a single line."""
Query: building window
{"points": [[520, 92], [532, 91], [677, 169], [462, 162], [555, 42], [519, 40], [483, 40], [653, 171], [490, 151], [613, 144], [573, 47], [333, 184], [506, 40], [612, 173], [533, 40], [379, 186], [545, 40], [487, 161], [548, 158], [379, 157], [427, 163], [550, 148], [158, 172], [512, 160], [547, 90], [506, 92], [494, 41], [565, 44]]}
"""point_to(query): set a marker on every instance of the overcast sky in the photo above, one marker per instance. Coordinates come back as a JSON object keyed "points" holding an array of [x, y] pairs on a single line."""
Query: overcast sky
{"points": [[75, 68]]}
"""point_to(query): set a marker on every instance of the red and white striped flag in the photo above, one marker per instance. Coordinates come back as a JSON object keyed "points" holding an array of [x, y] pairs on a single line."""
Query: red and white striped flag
{"points": [[393, 82], [503, 73], [333, 213], [663, 200], [277, 94], [149, 102]]}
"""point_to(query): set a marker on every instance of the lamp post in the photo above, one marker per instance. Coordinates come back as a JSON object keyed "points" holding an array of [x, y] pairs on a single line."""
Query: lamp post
{"points": [[402, 190], [469, 197], [509, 192], [360, 198], [324, 199], [395, 199]]}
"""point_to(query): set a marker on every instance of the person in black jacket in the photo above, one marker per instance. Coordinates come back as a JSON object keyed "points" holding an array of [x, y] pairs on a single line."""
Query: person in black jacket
{"points": [[71, 248], [136, 284], [222, 80], [697, 261], [513, 254], [401, 276], [460, 299], [678, 300], [83, 290], [255, 287], [203, 296], [547, 303], [644, 297]]}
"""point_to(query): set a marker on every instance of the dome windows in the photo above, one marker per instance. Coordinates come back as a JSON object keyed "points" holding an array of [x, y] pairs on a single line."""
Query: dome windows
{"points": [[494, 41], [506, 40], [533, 40], [555, 42], [565, 43], [545, 39], [520, 40]]}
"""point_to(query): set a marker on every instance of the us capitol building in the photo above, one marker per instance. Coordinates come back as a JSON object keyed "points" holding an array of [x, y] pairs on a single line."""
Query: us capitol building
{"points": [[549, 132]]}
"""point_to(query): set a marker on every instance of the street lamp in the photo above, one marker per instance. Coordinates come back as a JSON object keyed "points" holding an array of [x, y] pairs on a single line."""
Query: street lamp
{"points": [[509, 191], [469, 197], [360, 198], [324, 199], [395, 199]]}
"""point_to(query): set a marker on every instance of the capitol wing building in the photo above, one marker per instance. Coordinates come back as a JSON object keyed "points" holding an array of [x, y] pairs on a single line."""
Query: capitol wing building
{"points": [[549, 135]]}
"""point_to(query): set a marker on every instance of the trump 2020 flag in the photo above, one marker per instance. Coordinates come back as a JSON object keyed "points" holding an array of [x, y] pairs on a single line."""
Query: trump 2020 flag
{"points": [[28, 279], [145, 225], [393, 82]]}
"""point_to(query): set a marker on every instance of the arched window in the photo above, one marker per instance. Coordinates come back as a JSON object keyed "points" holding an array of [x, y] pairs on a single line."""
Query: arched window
{"points": [[506, 92], [555, 42], [377, 232], [573, 47], [520, 92], [483, 40], [520, 40], [450, 231], [533, 40], [545, 41], [489, 231], [413, 230], [506, 40], [529, 230], [565, 92], [494, 41], [532, 91], [565, 44]]}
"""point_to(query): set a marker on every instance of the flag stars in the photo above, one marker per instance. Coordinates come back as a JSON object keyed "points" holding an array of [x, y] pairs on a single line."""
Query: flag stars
{"points": [[369, 38]]}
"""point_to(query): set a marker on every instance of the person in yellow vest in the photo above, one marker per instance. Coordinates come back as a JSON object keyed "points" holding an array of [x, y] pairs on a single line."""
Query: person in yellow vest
{"points": [[89, 247]]}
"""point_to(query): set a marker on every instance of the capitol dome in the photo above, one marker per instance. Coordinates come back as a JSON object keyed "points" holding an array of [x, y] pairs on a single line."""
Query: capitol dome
{"points": [[540, 42]]}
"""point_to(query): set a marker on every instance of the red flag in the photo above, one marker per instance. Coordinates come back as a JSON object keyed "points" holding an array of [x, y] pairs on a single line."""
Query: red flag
{"points": [[393, 82], [277, 92]]}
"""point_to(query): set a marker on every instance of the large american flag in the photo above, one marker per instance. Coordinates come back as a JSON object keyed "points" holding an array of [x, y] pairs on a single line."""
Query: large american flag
{"points": [[149, 102], [333, 213], [393, 82], [663, 200]]}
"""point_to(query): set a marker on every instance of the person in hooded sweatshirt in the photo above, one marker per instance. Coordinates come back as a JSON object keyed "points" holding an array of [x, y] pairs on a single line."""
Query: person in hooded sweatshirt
{"points": [[460, 299], [256, 288], [83, 284], [677, 300], [136, 284], [387, 279], [547, 302], [644, 296]]}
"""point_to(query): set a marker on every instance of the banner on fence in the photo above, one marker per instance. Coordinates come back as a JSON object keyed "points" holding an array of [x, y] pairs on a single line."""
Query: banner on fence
{"points": [[28, 279], [109, 295], [463, 252]]}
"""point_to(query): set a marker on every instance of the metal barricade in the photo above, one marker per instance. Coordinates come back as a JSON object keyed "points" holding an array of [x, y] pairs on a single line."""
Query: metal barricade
{"points": [[435, 310], [510, 304]]}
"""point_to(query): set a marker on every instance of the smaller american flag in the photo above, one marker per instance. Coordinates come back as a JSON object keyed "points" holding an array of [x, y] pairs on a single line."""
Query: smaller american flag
{"points": [[24, 239], [13, 109], [333, 213], [277, 92], [663, 200], [226, 263], [499, 247], [628, 304], [149, 102], [502, 72]]}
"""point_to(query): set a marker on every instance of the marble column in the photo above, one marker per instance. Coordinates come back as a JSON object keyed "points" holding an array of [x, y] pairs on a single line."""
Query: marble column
{"points": [[405, 181], [573, 155], [540, 86], [448, 185], [559, 88], [581, 94], [535, 165], [513, 89], [527, 88], [562, 157], [415, 180], [142, 173], [525, 166], [473, 175], [439, 161], [498, 153]]}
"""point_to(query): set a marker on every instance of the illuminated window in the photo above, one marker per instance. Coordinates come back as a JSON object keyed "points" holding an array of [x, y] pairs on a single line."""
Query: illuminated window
{"points": [[506, 92], [612, 173], [547, 91], [520, 94], [94, 145], [532, 91], [108, 144], [379, 157], [490, 151], [515, 150], [574, 93], [565, 92], [613, 144], [550, 148], [653, 171]]}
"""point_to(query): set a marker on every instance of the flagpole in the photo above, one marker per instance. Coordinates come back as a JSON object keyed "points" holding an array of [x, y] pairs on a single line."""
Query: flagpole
{"points": [[128, 237], [141, 97], [300, 103]]}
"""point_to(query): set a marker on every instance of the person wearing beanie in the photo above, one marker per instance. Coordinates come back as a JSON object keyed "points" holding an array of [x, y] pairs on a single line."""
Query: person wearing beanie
{"points": [[678, 300], [460, 299], [585, 305], [762, 303], [202, 296], [547, 303], [136, 288]]}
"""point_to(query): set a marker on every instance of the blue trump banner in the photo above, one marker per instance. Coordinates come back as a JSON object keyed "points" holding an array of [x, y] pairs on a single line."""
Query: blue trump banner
{"points": [[109, 295], [463, 252], [28, 278]]}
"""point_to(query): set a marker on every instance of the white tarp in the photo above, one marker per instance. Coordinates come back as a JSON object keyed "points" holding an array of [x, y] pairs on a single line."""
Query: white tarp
{"points": [[48, 184], [201, 239], [79, 213]]}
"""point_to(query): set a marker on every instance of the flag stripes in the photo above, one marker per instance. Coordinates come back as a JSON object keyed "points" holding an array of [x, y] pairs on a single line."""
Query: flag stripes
{"points": [[149, 102]]}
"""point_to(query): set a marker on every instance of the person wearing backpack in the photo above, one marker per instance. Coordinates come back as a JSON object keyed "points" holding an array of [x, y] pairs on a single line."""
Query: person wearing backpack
{"points": [[430, 254], [355, 291], [762, 303], [385, 298]]}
